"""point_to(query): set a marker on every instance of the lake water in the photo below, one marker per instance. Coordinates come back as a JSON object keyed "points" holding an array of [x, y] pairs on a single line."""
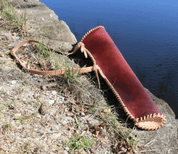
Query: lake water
{"points": [[146, 32]]}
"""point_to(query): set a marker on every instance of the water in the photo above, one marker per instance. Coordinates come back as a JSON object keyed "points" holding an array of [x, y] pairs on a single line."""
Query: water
{"points": [[146, 32]]}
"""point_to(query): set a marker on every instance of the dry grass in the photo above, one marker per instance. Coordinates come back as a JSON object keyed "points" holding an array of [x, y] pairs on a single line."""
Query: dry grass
{"points": [[12, 20]]}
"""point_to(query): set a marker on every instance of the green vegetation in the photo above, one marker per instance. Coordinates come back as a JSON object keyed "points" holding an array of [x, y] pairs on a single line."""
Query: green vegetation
{"points": [[79, 142], [13, 20], [6, 105], [22, 120], [71, 75]]}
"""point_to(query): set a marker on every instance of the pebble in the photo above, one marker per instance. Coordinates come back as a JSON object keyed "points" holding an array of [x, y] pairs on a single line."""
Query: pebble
{"points": [[13, 82], [70, 114], [105, 110], [51, 102], [14, 34], [24, 99], [40, 80], [44, 109], [82, 113], [17, 115], [54, 92], [123, 149], [44, 88], [65, 152], [1, 55]]}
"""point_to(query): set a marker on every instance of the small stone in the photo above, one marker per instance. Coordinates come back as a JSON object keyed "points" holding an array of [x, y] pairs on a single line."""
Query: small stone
{"points": [[70, 114], [11, 107], [14, 34], [43, 87], [17, 115], [123, 149], [24, 99], [83, 109], [1, 55], [40, 80], [105, 110], [54, 92], [93, 151], [13, 82], [129, 149], [44, 108], [82, 113]]}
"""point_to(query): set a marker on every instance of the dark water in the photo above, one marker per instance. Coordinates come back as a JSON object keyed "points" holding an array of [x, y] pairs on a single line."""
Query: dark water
{"points": [[146, 32]]}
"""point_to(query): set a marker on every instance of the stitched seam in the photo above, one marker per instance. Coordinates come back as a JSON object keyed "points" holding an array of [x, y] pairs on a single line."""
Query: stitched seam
{"points": [[91, 30]]}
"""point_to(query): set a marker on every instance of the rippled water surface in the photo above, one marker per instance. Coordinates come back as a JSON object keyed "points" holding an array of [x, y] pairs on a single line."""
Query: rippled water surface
{"points": [[146, 32]]}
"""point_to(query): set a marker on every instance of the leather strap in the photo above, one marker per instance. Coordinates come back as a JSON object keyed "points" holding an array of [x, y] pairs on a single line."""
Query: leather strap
{"points": [[56, 72]]}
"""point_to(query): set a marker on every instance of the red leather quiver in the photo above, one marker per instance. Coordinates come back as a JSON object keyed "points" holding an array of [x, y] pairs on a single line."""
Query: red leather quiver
{"points": [[129, 91]]}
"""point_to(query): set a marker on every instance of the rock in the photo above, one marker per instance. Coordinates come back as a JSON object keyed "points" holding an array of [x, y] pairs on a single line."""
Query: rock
{"points": [[13, 82], [163, 140], [54, 92], [43, 21], [40, 80], [65, 152], [1, 55], [43, 87], [44, 108]]}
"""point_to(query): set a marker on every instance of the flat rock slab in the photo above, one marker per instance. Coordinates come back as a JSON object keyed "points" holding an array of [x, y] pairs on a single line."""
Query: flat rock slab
{"points": [[163, 140]]}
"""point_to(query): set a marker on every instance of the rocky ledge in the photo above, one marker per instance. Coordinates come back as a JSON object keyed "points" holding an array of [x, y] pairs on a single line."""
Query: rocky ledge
{"points": [[42, 20], [58, 35]]}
